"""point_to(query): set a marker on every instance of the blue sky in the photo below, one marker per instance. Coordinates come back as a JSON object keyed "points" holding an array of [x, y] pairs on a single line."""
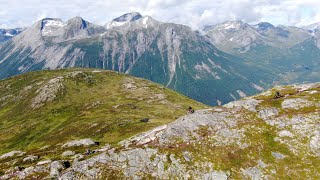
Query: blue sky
{"points": [[194, 13]]}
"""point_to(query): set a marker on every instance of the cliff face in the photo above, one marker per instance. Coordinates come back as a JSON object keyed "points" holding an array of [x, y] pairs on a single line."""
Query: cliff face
{"points": [[259, 137]]}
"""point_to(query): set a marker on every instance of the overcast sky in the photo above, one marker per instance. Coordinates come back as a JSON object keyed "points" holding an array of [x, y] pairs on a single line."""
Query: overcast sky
{"points": [[194, 13]]}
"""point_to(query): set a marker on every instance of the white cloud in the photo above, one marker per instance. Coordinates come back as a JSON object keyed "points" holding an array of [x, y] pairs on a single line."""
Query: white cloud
{"points": [[194, 13]]}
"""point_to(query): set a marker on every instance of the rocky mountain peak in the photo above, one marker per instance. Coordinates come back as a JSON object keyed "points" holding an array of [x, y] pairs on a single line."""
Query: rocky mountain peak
{"points": [[312, 27], [233, 25], [124, 19], [49, 26], [208, 27], [77, 22], [128, 17], [264, 26], [227, 25], [51, 22]]}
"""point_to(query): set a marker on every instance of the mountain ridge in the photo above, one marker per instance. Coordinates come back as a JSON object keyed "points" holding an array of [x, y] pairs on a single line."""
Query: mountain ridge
{"points": [[282, 50], [171, 54]]}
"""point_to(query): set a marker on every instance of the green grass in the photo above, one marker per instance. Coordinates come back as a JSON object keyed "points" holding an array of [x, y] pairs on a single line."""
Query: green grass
{"points": [[84, 109]]}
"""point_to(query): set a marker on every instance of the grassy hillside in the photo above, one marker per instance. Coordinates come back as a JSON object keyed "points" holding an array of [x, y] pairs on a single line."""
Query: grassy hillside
{"points": [[257, 137], [50, 107]]}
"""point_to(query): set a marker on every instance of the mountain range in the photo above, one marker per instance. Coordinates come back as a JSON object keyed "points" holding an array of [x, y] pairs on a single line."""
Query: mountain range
{"points": [[290, 53], [214, 66], [7, 34], [170, 54]]}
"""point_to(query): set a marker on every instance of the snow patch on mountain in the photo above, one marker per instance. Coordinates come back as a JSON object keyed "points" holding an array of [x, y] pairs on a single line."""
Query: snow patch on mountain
{"points": [[124, 19], [229, 26], [232, 25], [51, 22], [8, 34], [115, 24], [144, 21], [50, 26]]}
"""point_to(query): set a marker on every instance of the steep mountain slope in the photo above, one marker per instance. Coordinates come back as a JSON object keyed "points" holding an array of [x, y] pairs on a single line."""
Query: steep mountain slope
{"points": [[260, 137], [299, 63], [289, 54], [7, 34], [234, 35], [166, 53], [46, 108], [237, 37], [312, 27]]}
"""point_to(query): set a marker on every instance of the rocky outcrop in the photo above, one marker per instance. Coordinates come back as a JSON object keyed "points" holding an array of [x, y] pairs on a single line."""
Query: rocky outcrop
{"points": [[144, 137], [267, 113], [44, 162], [81, 142], [11, 154], [249, 104], [296, 103], [68, 153], [30, 158], [253, 173], [55, 168], [315, 143], [48, 92]]}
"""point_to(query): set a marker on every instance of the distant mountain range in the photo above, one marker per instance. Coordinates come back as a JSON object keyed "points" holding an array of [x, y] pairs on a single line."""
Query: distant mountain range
{"points": [[292, 54], [227, 62], [7, 34]]}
